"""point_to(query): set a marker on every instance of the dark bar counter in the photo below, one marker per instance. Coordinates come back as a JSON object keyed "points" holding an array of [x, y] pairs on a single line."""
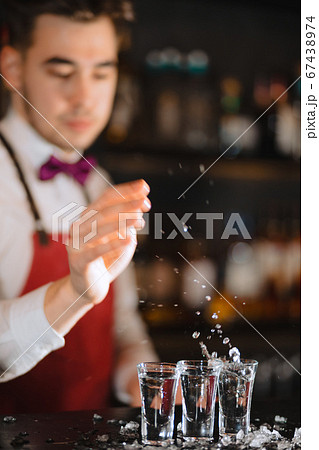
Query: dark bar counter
{"points": [[84, 430]]}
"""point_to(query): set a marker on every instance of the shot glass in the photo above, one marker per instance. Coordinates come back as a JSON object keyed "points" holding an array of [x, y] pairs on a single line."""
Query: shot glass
{"points": [[158, 384], [199, 383], [235, 388]]}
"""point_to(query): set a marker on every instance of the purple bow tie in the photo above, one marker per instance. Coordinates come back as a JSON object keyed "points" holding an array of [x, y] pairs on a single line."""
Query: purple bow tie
{"points": [[79, 170]]}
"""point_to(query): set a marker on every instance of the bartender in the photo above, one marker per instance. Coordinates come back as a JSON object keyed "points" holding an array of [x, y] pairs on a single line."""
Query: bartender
{"points": [[70, 333]]}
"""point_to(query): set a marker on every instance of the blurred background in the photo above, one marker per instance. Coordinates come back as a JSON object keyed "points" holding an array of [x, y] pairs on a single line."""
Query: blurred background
{"points": [[195, 75]]}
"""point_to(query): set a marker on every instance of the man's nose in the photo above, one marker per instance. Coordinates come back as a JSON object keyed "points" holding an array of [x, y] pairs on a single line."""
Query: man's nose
{"points": [[80, 91]]}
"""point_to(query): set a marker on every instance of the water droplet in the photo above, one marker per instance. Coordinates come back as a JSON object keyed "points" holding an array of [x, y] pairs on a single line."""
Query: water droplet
{"points": [[205, 352], [160, 305], [214, 316], [180, 165], [244, 303], [176, 270], [185, 228], [219, 332], [196, 281], [212, 330], [235, 296], [234, 354], [214, 355], [218, 326], [208, 337], [162, 231], [197, 313], [208, 298], [201, 168], [226, 340], [159, 280], [203, 286], [176, 304], [196, 334]]}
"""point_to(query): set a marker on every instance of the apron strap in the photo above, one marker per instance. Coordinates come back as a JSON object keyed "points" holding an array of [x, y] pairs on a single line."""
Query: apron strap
{"points": [[43, 238]]}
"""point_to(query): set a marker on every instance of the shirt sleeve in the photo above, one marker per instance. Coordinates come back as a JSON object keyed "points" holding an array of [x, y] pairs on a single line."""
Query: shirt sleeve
{"points": [[26, 336], [133, 344]]}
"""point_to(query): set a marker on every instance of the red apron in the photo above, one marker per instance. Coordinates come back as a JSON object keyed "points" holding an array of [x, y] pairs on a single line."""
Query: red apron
{"points": [[76, 376]]}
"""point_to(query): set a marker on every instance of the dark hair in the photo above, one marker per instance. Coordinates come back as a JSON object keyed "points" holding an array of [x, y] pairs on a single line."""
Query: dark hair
{"points": [[19, 16]]}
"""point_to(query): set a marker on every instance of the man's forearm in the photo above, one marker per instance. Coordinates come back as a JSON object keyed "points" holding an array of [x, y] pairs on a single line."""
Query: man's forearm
{"points": [[25, 333], [63, 306]]}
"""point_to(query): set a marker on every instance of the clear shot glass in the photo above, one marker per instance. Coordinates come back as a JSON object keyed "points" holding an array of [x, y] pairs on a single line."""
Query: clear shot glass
{"points": [[158, 384], [199, 383], [235, 388]]}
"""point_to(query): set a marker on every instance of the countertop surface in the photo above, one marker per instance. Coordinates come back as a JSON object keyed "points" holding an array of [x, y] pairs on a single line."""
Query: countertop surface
{"points": [[84, 430]]}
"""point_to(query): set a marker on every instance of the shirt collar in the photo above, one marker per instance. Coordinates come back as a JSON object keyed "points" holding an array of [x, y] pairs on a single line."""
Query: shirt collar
{"points": [[28, 144]]}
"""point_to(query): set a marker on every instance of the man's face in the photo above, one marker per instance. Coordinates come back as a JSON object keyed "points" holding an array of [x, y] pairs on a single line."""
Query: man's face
{"points": [[69, 75]]}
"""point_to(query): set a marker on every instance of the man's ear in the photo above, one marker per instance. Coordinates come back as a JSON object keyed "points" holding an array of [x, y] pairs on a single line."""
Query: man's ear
{"points": [[11, 67]]}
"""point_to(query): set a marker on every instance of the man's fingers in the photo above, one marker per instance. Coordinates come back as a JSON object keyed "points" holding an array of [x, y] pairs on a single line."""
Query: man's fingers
{"points": [[117, 212], [134, 190], [116, 224], [110, 231], [110, 248]]}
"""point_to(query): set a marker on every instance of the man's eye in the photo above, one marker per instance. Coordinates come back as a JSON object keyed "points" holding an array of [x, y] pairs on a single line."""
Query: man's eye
{"points": [[101, 76], [61, 74]]}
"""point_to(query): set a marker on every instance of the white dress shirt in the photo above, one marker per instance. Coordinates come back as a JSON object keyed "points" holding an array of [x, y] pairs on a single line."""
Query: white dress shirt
{"points": [[25, 334]]}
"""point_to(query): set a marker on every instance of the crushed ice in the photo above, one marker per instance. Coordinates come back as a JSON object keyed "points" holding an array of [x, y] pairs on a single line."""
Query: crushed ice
{"points": [[97, 417], [103, 438], [279, 419], [263, 437], [296, 440], [9, 419], [129, 427]]}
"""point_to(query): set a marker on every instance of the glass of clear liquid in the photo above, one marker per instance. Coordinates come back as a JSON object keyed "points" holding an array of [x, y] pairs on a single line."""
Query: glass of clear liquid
{"points": [[235, 388], [199, 383], [158, 385]]}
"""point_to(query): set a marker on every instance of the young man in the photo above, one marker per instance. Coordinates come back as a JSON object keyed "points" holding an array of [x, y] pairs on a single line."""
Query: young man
{"points": [[60, 65]]}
